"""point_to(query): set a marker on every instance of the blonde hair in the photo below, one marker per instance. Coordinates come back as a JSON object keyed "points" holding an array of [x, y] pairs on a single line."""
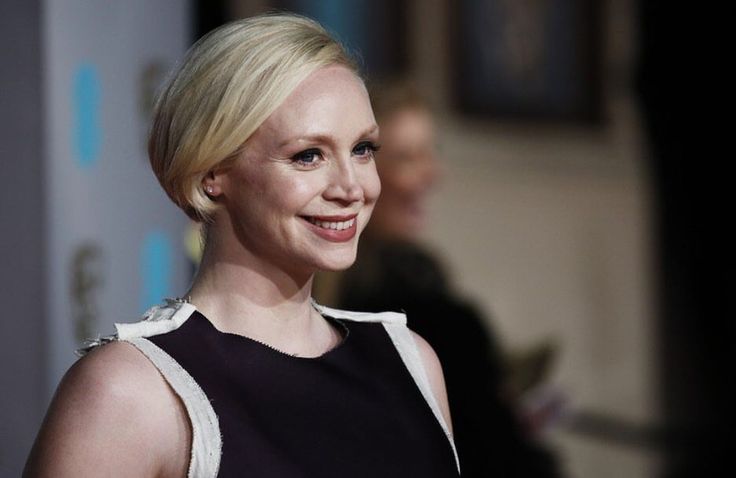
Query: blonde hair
{"points": [[229, 83]]}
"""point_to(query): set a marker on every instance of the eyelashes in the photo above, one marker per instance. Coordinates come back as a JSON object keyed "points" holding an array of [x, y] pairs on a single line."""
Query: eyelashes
{"points": [[307, 157], [310, 158], [366, 148]]}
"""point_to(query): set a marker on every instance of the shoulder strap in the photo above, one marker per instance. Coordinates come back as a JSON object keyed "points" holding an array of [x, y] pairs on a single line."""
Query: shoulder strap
{"points": [[206, 439], [157, 320], [395, 325], [407, 348], [385, 317]]}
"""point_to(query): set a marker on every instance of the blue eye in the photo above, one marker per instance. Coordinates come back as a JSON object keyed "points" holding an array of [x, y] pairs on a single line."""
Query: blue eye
{"points": [[307, 157], [366, 148]]}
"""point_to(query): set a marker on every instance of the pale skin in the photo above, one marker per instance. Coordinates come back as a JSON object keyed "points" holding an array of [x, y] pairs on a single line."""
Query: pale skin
{"points": [[114, 414]]}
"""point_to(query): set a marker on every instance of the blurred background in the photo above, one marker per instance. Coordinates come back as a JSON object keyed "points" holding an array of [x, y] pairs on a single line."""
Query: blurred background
{"points": [[567, 213]]}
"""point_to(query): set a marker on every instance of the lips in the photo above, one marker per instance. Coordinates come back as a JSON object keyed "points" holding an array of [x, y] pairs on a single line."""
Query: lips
{"points": [[333, 225], [333, 228]]}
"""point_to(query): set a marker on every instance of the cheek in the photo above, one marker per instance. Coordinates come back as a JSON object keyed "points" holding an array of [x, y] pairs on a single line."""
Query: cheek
{"points": [[295, 193], [283, 191]]}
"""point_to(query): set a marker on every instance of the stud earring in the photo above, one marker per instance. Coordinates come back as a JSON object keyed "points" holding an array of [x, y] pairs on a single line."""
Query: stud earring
{"points": [[209, 189]]}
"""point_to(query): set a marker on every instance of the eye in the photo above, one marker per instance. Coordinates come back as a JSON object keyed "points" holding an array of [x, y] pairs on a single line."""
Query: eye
{"points": [[308, 157], [366, 149]]}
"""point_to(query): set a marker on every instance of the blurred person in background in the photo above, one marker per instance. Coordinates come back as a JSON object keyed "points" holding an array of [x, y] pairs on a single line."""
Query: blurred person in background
{"points": [[266, 134], [395, 272]]}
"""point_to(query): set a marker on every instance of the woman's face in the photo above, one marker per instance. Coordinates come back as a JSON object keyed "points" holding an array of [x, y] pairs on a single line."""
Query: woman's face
{"points": [[305, 185], [408, 168]]}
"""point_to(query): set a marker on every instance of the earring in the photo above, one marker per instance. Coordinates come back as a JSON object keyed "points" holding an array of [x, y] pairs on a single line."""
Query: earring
{"points": [[209, 189]]}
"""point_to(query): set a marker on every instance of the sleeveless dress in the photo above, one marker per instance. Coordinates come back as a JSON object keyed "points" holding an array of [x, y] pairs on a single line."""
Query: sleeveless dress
{"points": [[362, 409]]}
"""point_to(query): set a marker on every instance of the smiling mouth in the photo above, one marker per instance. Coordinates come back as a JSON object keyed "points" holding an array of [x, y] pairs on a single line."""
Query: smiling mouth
{"points": [[329, 223]]}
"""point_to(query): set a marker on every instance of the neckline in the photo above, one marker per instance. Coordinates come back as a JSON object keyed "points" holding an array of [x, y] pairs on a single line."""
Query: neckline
{"points": [[343, 329]]}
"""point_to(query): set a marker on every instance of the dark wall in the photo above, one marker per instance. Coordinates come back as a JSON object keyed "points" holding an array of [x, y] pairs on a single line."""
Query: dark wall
{"points": [[679, 86], [22, 276], [208, 15]]}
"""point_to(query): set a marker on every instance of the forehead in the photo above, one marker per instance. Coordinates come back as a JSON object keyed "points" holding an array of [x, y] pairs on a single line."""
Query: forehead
{"points": [[326, 83], [332, 100]]}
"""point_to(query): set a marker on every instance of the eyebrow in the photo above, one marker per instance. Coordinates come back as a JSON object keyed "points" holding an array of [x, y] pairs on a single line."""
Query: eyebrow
{"points": [[324, 138]]}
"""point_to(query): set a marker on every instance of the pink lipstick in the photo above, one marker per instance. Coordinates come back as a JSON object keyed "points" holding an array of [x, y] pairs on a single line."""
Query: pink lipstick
{"points": [[333, 228]]}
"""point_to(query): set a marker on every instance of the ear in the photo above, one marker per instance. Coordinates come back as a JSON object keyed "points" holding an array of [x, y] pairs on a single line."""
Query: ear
{"points": [[211, 184]]}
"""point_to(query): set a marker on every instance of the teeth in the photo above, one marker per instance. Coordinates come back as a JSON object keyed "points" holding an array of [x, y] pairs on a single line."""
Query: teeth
{"points": [[338, 226]]}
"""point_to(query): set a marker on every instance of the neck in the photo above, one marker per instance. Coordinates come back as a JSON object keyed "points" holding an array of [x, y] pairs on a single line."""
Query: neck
{"points": [[242, 293]]}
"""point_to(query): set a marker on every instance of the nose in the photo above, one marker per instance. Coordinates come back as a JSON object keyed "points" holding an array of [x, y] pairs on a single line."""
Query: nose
{"points": [[344, 184]]}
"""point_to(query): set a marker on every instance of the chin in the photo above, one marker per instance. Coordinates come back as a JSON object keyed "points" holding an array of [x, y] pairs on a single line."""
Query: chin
{"points": [[337, 267], [337, 263]]}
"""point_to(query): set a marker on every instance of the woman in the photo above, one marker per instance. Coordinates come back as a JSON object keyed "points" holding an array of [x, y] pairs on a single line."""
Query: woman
{"points": [[266, 133]]}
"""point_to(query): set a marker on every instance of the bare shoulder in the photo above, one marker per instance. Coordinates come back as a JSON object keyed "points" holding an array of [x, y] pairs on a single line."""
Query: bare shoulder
{"points": [[433, 368], [110, 369], [115, 379], [112, 415], [429, 357]]}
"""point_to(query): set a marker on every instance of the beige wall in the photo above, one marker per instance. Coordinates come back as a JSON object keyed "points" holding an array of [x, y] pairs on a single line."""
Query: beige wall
{"points": [[550, 232], [556, 249], [549, 229]]}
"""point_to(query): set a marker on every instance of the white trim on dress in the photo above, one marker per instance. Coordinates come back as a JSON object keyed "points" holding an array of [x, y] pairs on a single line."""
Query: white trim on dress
{"points": [[206, 438], [395, 325]]}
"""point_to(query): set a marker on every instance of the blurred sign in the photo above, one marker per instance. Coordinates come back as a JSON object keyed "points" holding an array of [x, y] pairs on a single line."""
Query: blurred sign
{"points": [[109, 223], [528, 59]]}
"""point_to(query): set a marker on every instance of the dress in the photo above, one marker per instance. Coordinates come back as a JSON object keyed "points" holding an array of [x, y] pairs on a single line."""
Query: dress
{"points": [[362, 409]]}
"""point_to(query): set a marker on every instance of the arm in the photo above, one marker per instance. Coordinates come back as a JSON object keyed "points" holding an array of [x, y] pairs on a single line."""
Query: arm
{"points": [[434, 373], [112, 415]]}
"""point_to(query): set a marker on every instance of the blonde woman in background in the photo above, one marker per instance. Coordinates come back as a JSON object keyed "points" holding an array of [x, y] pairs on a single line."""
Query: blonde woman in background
{"points": [[395, 272], [266, 134]]}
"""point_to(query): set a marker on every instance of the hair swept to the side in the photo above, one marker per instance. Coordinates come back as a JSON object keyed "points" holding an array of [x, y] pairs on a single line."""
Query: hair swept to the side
{"points": [[230, 81]]}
